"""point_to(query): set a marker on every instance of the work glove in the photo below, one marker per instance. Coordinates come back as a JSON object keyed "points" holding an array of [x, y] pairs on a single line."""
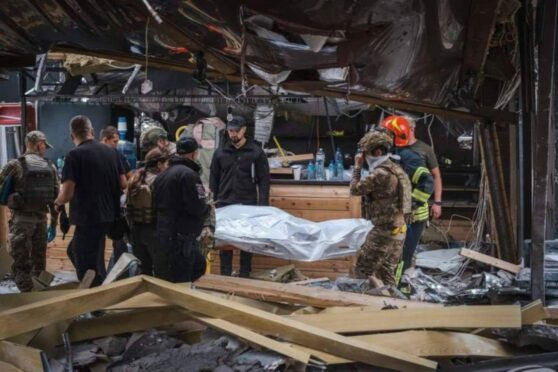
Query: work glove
{"points": [[51, 233], [207, 240], [64, 222]]}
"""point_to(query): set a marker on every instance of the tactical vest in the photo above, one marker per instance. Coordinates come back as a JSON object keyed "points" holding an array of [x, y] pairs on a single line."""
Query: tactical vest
{"points": [[38, 185], [140, 202], [383, 211]]}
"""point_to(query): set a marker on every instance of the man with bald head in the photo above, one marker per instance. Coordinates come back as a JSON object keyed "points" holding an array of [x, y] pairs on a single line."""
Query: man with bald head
{"points": [[92, 180]]}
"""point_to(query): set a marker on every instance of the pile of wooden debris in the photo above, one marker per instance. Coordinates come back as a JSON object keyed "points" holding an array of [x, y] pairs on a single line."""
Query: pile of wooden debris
{"points": [[305, 325]]}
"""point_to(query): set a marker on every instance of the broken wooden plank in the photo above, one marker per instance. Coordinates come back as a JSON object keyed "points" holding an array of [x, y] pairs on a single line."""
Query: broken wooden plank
{"points": [[429, 344], [39, 314], [287, 329], [310, 281], [294, 294], [255, 338], [502, 316], [489, 260], [533, 312], [7, 367], [23, 357], [11, 300], [120, 267]]}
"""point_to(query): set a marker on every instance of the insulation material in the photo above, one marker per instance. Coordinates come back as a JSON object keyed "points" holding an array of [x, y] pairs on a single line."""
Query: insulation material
{"points": [[263, 118], [273, 232]]}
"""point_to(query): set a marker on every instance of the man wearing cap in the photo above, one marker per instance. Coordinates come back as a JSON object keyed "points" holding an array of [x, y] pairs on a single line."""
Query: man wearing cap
{"points": [[156, 137], [33, 187], [239, 174], [182, 213]]}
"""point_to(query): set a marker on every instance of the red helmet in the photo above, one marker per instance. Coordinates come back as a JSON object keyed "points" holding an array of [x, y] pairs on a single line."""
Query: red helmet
{"points": [[400, 127]]}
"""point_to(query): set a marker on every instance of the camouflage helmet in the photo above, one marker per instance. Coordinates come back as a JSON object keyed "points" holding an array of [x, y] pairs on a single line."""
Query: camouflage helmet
{"points": [[150, 137], [376, 138]]}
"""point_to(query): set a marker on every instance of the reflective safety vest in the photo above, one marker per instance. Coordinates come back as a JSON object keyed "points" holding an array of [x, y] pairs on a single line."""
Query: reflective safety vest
{"points": [[421, 180]]}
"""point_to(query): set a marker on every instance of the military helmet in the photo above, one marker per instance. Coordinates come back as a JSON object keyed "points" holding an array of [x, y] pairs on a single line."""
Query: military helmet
{"points": [[376, 138], [150, 137]]}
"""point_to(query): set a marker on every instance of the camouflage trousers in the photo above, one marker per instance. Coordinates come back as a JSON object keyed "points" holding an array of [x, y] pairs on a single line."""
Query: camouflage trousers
{"points": [[28, 244], [379, 255]]}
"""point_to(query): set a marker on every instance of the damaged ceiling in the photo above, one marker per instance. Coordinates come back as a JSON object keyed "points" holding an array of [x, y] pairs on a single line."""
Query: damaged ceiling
{"points": [[414, 51]]}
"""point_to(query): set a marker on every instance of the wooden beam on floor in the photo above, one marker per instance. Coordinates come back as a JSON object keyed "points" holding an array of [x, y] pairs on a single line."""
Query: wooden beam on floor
{"points": [[12, 300], [294, 294], [39, 314], [428, 344], [290, 330], [27, 359], [489, 260], [533, 313], [498, 316]]}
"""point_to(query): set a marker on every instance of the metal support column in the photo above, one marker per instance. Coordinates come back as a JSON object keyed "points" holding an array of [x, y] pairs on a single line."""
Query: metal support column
{"points": [[543, 143], [497, 195], [23, 102]]}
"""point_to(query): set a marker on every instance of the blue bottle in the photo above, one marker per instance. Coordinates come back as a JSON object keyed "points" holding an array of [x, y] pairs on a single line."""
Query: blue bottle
{"points": [[124, 147], [338, 156], [60, 166], [340, 170], [332, 169], [311, 171]]}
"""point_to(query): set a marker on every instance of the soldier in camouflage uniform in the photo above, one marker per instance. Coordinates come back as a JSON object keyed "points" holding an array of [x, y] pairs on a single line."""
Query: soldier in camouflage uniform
{"points": [[34, 187], [387, 203]]}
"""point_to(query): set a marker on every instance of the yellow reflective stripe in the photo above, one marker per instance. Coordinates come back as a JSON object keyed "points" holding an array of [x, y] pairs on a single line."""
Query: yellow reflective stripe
{"points": [[419, 172], [421, 213], [420, 195]]}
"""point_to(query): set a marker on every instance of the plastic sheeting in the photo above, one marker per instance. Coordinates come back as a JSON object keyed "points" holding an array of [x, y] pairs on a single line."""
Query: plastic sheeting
{"points": [[273, 232]]}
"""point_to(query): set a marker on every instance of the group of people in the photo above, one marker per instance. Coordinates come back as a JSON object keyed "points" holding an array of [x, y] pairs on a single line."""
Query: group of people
{"points": [[169, 211], [171, 215]]}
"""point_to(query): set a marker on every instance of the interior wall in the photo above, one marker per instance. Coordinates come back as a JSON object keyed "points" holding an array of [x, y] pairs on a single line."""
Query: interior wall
{"points": [[54, 118]]}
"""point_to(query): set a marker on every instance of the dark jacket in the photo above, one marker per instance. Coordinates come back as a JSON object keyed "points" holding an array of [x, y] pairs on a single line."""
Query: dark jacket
{"points": [[240, 176], [179, 198]]}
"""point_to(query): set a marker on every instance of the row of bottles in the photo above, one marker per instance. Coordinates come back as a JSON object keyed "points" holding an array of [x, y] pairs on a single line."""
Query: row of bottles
{"points": [[334, 170]]}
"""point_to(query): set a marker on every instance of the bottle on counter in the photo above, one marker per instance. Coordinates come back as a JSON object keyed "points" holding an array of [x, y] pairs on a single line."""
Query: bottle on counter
{"points": [[311, 171], [340, 170], [338, 156], [320, 164], [331, 171]]}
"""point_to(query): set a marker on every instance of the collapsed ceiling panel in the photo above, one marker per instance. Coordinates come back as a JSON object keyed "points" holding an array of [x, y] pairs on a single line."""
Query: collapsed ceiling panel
{"points": [[394, 49]]}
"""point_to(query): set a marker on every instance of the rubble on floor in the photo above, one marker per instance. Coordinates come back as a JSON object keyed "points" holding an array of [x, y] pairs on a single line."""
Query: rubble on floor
{"points": [[236, 324]]}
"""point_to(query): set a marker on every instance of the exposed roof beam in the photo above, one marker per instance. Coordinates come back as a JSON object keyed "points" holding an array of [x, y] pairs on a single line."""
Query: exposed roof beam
{"points": [[482, 19]]}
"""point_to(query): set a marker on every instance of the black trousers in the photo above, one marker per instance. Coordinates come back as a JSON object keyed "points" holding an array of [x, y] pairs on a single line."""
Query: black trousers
{"points": [[87, 250], [412, 239], [226, 258], [183, 260]]}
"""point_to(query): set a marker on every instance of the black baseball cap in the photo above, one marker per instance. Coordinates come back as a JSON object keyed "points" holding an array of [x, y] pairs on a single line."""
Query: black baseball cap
{"points": [[236, 123], [186, 145]]}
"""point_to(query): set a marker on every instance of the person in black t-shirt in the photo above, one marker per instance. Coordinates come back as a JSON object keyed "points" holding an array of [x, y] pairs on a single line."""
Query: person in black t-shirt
{"points": [[92, 181]]}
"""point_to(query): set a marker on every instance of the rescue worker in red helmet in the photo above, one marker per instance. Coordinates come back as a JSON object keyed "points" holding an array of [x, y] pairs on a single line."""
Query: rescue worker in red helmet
{"points": [[420, 163]]}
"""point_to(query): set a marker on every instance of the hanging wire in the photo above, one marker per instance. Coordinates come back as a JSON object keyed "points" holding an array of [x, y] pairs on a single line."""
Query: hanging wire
{"points": [[146, 47]]}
